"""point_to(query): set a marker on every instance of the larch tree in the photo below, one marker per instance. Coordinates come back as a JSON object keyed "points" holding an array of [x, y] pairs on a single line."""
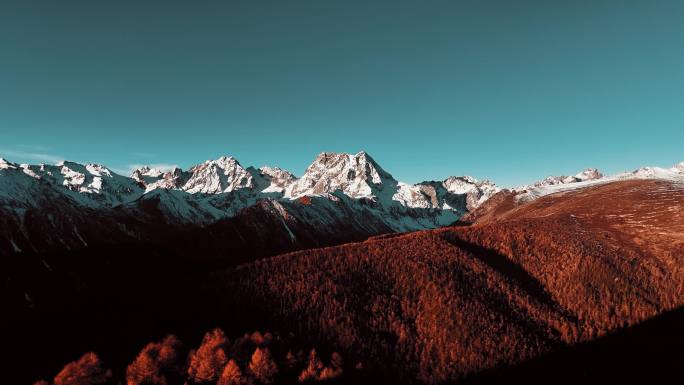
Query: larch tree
{"points": [[156, 362], [262, 366], [209, 360], [231, 375], [87, 370], [313, 368]]}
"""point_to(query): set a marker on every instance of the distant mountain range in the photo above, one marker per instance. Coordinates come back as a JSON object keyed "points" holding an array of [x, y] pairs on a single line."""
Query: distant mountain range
{"points": [[70, 205], [340, 196]]}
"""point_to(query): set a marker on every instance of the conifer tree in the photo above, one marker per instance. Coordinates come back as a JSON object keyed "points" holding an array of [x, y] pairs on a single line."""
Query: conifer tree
{"points": [[262, 366]]}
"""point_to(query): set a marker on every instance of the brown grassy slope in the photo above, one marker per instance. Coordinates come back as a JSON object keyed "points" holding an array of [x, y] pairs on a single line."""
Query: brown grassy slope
{"points": [[611, 254], [438, 305]]}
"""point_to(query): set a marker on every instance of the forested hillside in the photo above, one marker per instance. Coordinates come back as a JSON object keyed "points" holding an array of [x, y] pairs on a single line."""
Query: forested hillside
{"points": [[536, 289]]}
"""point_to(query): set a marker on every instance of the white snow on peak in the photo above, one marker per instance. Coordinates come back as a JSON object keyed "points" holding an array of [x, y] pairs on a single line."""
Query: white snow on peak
{"points": [[589, 174], [583, 176], [222, 187], [357, 176], [4, 164], [592, 177], [411, 196], [216, 176], [352, 175], [674, 173], [679, 166], [277, 178], [98, 170], [146, 171], [476, 192], [154, 178], [466, 184], [222, 175], [93, 180]]}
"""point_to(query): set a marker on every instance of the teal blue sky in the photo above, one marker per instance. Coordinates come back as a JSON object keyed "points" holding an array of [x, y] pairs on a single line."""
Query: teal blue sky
{"points": [[507, 90]]}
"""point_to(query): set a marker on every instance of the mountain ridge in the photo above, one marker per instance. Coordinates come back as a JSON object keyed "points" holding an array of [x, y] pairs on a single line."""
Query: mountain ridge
{"points": [[70, 205], [151, 203]]}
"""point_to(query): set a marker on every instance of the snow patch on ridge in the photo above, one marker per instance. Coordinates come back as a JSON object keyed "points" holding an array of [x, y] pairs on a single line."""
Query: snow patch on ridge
{"points": [[591, 177]]}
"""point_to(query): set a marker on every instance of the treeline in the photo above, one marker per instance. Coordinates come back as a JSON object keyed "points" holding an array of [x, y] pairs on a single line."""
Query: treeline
{"points": [[251, 359]]}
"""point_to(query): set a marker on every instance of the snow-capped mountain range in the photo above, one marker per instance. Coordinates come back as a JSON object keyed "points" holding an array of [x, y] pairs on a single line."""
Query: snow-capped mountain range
{"points": [[335, 189], [72, 205], [592, 176], [355, 176]]}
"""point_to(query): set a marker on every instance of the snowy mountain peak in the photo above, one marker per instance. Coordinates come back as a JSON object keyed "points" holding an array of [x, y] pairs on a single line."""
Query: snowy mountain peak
{"points": [[676, 172], [98, 170], [357, 176], [463, 184], [5, 164], [586, 175], [278, 179], [679, 166], [277, 172], [173, 179], [460, 179], [476, 191], [146, 171], [152, 178], [589, 174], [224, 161], [216, 176]]}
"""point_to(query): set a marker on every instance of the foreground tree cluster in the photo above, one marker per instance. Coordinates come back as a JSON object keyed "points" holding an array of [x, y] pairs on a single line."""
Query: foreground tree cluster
{"points": [[252, 359]]}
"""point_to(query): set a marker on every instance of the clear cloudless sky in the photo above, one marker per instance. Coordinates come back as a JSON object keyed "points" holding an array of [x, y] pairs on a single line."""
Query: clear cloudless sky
{"points": [[507, 90]]}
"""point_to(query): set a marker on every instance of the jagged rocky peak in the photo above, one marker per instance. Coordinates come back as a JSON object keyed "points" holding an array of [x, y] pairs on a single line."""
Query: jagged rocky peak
{"points": [[153, 178], [476, 192], [217, 176], [277, 173], [77, 173], [586, 175], [95, 181], [5, 164], [589, 174], [277, 178], [99, 170], [675, 172], [224, 174], [464, 184], [146, 171], [356, 176]]}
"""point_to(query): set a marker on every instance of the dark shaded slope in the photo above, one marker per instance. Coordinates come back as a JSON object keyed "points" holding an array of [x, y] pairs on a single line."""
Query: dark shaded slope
{"points": [[114, 297], [650, 352]]}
